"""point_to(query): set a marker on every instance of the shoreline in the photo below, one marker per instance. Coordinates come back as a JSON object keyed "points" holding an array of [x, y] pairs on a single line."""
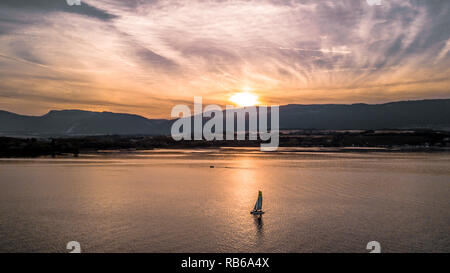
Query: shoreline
{"points": [[281, 150], [296, 141]]}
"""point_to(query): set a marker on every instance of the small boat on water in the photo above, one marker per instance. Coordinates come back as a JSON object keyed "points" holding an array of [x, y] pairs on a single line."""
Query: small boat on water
{"points": [[257, 210]]}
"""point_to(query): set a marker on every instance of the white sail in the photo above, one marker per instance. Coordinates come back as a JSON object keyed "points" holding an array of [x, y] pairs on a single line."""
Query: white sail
{"points": [[259, 202], [257, 209]]}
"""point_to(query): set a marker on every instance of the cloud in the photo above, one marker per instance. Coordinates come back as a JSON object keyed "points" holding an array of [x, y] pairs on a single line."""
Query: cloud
{"points": [[110, 54], [56, 6]]}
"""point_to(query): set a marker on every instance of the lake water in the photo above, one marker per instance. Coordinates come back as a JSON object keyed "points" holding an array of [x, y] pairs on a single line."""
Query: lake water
{"points": [[172, 201]]}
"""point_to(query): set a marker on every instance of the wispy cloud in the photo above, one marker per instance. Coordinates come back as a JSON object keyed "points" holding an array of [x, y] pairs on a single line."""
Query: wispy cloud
{"points": [[48, 6], [126, 55]]}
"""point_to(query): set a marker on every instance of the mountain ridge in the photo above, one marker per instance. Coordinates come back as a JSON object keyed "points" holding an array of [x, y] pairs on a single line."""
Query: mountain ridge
{"points": [[417, 114]]}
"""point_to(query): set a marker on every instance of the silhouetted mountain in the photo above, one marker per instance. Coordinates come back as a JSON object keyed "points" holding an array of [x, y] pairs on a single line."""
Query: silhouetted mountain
{"points": [[428, 114], [77, 122]]}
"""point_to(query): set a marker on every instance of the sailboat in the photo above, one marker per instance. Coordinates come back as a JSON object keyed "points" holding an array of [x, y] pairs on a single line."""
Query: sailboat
{"points": [[257, 210]]}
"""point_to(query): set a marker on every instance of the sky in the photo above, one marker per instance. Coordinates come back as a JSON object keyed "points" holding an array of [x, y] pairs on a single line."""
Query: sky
{"points": [[145, 57]]}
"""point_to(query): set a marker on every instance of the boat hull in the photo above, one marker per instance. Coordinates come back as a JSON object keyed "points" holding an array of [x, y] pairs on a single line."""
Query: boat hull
{"points": [[256, 212]]}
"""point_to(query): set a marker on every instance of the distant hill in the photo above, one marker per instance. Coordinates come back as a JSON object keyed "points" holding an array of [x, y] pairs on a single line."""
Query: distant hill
{"points": [[77, 122], [424, 114], [429, 114]]}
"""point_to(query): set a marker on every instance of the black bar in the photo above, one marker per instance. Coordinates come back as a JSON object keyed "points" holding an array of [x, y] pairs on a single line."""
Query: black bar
{"points": [[271, 263]]}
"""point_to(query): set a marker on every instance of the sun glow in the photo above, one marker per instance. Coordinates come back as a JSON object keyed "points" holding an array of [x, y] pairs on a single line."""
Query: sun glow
{"points": [[244, 99]]}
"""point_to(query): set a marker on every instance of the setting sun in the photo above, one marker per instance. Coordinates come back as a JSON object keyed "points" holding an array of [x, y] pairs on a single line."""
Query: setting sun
{"points": [[244, 99]]}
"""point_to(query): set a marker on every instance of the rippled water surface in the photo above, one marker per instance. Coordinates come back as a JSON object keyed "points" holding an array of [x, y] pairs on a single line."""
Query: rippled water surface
{"points": [[173, 201]]}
